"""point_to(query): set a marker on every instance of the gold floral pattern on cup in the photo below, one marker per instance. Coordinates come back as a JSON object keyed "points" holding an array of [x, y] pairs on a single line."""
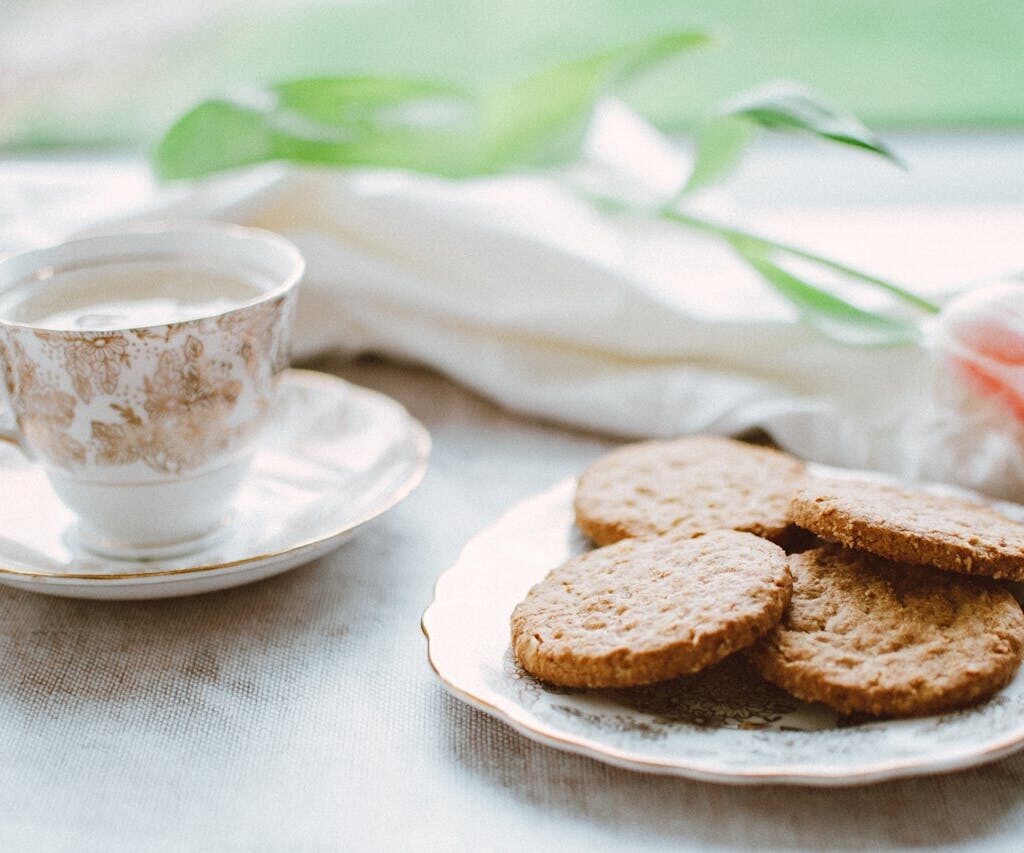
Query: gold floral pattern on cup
{"points": [[146, 430], [165, 396]]}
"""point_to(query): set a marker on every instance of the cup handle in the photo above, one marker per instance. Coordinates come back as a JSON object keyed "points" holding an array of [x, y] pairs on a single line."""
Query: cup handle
{"points": [[10, 433], [8, 425]]}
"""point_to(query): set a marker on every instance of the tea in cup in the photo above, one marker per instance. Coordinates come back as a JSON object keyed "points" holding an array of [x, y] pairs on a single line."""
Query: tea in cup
{"points": [[140, 368]]}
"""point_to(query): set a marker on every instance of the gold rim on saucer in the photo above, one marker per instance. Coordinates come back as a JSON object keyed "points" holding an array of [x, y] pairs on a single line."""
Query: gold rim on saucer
{"points": [[417, 434]]}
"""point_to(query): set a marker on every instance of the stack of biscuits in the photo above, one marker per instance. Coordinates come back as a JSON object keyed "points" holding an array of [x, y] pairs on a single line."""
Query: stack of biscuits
{"points": [[869, 598]]}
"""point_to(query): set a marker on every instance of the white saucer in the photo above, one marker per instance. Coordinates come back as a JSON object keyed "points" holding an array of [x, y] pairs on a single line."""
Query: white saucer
{"points": [[334, 457]]}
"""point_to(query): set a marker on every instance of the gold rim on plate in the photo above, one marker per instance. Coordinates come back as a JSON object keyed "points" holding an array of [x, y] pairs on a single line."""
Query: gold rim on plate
{"points": [[504, 709]]}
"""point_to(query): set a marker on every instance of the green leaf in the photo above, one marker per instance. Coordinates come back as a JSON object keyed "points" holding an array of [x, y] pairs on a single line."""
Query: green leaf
{"points": [[542, 120], [371, 101], [720, 145], [789, 106], [722, 141], [838, 319], [832, 315], [385, 122], [216, 135], [411, 124], [765, 247]]}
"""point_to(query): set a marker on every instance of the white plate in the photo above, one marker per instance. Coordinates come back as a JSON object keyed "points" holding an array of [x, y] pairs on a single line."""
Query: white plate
{"points": [[334, 457], [725, 725]]}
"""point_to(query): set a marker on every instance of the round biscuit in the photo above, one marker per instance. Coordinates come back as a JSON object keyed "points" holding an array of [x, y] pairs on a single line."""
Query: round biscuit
{"points": [[647, 610], [912, 527], [688, 486], [866, 635]]}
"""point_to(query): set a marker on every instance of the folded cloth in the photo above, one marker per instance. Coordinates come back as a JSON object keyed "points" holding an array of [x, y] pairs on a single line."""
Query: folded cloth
{"points": [[519, 288]]}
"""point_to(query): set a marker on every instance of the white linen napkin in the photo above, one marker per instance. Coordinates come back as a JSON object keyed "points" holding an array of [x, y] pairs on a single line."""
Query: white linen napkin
{"points": [[517, 288]]}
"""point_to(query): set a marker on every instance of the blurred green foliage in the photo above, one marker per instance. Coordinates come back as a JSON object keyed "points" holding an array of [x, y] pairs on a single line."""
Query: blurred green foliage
{"points": [[896, 63]]}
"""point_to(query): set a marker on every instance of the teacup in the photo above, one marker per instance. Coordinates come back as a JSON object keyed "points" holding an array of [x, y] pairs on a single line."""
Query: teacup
{"points": [[140, 367]]}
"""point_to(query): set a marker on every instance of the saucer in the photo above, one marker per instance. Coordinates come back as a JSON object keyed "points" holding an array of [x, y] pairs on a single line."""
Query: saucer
{"points": [[334, 457]]}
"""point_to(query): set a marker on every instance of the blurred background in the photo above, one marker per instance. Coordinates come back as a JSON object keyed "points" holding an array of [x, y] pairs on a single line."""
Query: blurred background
{"points": [[113, 74]]}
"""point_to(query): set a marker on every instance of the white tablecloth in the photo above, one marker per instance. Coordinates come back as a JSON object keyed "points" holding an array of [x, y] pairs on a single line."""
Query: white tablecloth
{"points": [[300, 713]]}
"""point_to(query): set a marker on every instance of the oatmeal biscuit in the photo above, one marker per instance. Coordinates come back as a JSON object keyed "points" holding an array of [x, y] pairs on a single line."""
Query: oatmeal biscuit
{"points": [[866, 635], [913, 527], [646, 610], [688, 486]]}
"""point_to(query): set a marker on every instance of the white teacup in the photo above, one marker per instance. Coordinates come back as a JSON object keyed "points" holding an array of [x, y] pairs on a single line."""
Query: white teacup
{"points": [[140, 367]]}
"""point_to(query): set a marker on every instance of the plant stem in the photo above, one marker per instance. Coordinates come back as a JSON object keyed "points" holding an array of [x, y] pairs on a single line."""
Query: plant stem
{"points": [[672, 215]]}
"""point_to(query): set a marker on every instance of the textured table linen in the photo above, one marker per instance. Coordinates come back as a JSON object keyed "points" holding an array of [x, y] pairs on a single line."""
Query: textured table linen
{"points": [[299, 714]]}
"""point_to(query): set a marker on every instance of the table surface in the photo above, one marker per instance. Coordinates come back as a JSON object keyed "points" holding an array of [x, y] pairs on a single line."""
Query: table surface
{"points": [[300, 713]]}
